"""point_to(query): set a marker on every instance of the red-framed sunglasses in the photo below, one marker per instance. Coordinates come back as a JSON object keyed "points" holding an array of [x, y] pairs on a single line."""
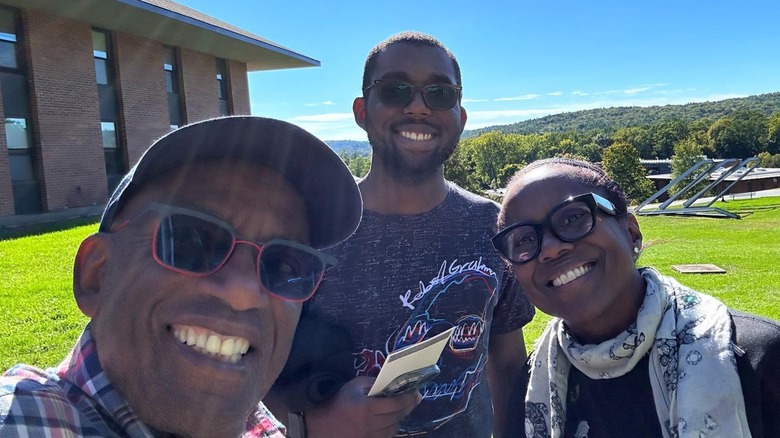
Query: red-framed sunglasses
{"points": [[198, 244]]}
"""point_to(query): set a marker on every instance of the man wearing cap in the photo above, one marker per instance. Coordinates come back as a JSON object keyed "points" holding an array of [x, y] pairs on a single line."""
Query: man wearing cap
{"points": [[193, 286]]}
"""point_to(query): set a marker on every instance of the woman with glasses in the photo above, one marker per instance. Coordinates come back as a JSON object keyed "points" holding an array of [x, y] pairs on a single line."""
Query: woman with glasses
{"points": [[629, 352]]}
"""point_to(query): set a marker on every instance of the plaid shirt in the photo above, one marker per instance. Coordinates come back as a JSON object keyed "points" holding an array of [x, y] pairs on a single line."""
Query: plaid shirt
{"points": [[76, 399]]}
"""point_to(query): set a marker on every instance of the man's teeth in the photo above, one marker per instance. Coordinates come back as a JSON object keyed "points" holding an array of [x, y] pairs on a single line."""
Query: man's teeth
{"points": [[416, 136], [570, 276], [227, 348]]}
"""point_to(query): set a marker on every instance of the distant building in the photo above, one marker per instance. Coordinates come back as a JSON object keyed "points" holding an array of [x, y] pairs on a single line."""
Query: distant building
{"points": [[87, 85], [657, 166], [759, 178]]}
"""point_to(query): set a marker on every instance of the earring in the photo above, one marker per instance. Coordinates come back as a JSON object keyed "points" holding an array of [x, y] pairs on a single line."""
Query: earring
{"points": [[636, 250]]}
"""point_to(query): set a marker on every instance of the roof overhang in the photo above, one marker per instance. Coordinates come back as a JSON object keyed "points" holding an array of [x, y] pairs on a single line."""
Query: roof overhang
{"points": [[175, 25]]}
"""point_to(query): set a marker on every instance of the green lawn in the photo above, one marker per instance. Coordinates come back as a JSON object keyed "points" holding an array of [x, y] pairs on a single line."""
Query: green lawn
{"points": [[39, 320]]}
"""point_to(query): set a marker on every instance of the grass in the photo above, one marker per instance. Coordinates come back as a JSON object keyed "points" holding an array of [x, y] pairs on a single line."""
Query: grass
{"points": [[39, 320]]}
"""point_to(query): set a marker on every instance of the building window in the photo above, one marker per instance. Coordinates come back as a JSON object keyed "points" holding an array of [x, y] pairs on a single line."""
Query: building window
{"points": [[113, 155], [16, 133], [22, 165], [172, 86], [8, 39], [108, 135], [17, 115], [223, 88], [100, 52], [109, 108]]}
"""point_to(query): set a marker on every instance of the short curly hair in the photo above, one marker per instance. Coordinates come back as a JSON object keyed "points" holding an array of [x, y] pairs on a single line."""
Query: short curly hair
{"points": [[408, 37]]}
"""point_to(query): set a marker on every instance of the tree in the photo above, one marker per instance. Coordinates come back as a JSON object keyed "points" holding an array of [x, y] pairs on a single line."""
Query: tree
{"points": [[769, 160], [687, 152], [637, 136], [665, 134], [721, 134], [459, 169], [740, 135], [489, 153], [621, 162], [773, 138], [507, 172], [358, 164]]}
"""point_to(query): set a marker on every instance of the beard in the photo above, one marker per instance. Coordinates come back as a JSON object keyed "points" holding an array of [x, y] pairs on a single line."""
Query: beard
{"points": [[405, 171]]}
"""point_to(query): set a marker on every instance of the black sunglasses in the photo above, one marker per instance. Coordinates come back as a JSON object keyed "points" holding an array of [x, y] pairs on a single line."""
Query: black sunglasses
{"points": [[397, 93], [198, 244], [569, 221]]}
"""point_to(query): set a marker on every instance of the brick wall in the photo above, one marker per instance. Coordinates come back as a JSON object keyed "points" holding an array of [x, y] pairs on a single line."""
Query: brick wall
{"points": [[143, 98], [239, 87], [65, 104], [199, 85], [65, 109]]}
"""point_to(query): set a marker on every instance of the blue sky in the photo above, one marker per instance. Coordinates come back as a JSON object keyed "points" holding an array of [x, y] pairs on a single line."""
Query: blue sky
{"points": [[519, 59]]}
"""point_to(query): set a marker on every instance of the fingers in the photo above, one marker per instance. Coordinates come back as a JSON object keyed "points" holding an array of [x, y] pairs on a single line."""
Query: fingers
{"points": [[351, 413], [387, 412], [398, 405]]}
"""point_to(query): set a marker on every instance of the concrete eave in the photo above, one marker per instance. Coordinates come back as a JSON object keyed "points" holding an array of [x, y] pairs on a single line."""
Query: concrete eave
{"points": [[175, 25]]}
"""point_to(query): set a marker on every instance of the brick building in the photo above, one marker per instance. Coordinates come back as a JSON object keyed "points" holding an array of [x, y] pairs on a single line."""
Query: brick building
{"points": [[87, 85]]}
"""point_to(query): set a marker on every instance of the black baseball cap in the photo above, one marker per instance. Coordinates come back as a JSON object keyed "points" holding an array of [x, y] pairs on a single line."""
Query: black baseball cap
{"points": [[327, 187]]}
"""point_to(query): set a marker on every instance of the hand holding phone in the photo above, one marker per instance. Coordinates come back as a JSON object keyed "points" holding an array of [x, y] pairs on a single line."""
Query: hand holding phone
{"points": [[410, 381], [411, 367]]}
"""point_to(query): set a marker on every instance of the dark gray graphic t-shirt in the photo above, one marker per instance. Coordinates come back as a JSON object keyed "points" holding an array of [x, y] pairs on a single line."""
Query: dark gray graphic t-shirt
{"points": [[402, 279]]}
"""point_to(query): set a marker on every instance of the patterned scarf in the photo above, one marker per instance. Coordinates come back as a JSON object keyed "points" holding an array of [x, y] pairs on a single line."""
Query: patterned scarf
{"points": [[688, 337]]}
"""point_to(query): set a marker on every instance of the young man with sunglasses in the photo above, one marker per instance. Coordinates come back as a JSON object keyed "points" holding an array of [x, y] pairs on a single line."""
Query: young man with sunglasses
{"points": [[421, 261], [193, 285]]}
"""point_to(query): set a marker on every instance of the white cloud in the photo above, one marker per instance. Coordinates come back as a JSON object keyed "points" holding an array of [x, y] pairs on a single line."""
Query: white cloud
{"points": [[326, 103], [323, 118], [635, 90], [467, 100], [645, 87], [524, 97], [555, 93], [330, 126]]}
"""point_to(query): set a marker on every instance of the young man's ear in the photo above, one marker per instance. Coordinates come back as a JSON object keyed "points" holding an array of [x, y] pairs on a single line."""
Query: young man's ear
{"points": [[463, 118], [359, 111], [91, 260]]}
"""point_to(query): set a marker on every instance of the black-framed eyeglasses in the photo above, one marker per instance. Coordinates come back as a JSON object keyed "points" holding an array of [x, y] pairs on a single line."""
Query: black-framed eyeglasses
{"points": [[398, 93], [569, 221], [195, 243]]}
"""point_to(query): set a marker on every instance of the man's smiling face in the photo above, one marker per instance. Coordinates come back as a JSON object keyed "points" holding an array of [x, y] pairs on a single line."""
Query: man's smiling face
{"points": [[143, 314], [412, 142]]}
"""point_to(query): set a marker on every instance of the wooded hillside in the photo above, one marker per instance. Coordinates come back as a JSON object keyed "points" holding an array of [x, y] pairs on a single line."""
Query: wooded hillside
{"points": [[611, 119]]}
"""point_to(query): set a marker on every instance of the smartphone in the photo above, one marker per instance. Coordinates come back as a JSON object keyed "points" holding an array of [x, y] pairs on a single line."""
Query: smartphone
{"points": [[410, 381]]}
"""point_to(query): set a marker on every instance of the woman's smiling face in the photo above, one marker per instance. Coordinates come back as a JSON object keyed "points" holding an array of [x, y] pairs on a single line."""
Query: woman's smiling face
{"points": [[592, 283]]}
